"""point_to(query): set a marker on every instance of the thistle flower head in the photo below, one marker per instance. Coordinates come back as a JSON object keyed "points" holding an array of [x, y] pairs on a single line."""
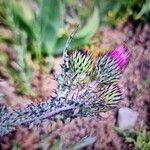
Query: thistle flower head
{"points": [[120, 54], [81, 62], [110, 66]]}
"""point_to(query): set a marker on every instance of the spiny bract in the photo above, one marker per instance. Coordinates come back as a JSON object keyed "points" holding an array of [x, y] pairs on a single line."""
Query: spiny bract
{"points": [[82, 62], [109, 67]]}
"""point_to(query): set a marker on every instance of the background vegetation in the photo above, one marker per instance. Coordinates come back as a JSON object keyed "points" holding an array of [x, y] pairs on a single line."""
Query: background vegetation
{"points": [[38, 30]]}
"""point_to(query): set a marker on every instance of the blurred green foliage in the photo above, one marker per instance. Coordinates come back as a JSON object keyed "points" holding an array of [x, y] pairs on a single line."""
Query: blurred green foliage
{"points": [[43, 23], [15, 146], [40, 29], [139, 137], [116, 11]]}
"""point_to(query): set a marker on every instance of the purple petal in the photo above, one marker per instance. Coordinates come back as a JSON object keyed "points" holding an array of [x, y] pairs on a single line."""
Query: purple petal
{"points": [[120, 54]]}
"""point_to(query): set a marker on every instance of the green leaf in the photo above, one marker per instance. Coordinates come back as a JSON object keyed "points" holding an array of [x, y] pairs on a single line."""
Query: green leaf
{"points": [[144, 10], [60, 43], [125, 133], [57, 144], [15, 146], [129, 140], [20, 18], [79, 42], [91, 26], [25, 8], [50, 21]]}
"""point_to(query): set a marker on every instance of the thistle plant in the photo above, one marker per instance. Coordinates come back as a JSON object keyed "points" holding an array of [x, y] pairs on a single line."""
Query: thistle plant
{"points": [[87, 85]]}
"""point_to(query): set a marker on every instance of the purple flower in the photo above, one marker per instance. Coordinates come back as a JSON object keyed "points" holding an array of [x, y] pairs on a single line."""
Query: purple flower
{"points": [[121, 55]]}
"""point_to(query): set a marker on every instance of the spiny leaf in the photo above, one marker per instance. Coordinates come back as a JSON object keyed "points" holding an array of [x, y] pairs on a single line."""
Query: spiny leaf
{"points": [[110, 95]]}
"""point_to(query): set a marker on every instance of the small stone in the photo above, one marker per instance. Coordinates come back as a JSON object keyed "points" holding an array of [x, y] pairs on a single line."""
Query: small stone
{"points": [[127, 118]]}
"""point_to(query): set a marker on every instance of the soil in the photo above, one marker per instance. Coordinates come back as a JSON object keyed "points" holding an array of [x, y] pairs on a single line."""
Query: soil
{"points": [[135, 81]]}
